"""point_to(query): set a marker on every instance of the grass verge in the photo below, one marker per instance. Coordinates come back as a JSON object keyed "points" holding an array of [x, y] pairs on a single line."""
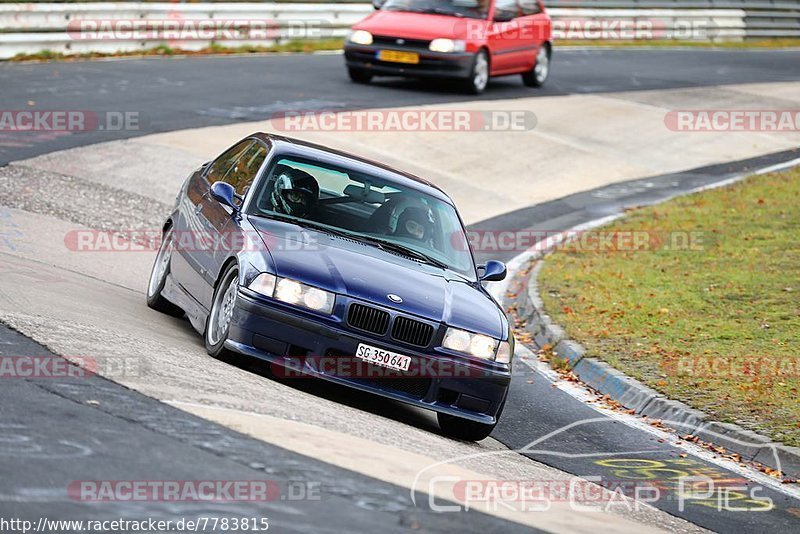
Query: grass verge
{"points": [[757, 44], [296, 46], [306, 46], [708, 311]]}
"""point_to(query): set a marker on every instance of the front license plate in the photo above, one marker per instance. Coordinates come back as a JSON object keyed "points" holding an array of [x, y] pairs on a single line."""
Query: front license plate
{"points": [[384, 358], [395, 56]]}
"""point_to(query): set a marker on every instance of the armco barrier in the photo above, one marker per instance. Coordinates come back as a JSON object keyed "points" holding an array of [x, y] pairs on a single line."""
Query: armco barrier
{"points": [[27, 28]]}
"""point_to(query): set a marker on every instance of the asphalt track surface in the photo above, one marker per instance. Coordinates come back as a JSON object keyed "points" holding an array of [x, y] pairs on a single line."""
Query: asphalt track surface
{"points": [[176, 94], [173, 94], [63, 429]]}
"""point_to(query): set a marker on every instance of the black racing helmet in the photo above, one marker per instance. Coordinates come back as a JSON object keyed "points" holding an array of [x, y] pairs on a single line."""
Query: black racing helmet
{"points": [[416, 223], [294, 192]]}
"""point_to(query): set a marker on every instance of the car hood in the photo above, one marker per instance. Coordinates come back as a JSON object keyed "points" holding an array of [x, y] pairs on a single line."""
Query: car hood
{"points": [[417, 25], [367, 273]]}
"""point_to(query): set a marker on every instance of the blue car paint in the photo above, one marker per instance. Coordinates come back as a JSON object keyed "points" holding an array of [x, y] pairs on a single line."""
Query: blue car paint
{"points": [[356, 272]]}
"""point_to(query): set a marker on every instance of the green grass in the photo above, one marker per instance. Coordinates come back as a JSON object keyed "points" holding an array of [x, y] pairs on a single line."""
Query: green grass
{"points": [[663, 316], [746, 44], [305, 46], [297, 46]]}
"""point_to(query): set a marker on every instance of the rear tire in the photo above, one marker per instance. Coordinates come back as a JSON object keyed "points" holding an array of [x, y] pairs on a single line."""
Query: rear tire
{"points": [[219, 319], [479, 74], [463, 429], [158, 277], [537, 76], [359, 75]]}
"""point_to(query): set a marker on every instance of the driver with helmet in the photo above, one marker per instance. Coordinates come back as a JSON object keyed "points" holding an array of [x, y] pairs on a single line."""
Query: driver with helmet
{"points": [[416, 223], [294, 192]]}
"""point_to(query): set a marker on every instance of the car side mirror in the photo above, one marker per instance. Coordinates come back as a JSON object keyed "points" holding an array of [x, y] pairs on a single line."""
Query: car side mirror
{"points": [[377, 4], [503, 16], [224, 193], [494, 271]]}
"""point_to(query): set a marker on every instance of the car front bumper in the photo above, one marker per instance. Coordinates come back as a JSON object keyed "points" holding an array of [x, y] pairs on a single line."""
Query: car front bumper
{"points": [[431, 64], [307, 346]]}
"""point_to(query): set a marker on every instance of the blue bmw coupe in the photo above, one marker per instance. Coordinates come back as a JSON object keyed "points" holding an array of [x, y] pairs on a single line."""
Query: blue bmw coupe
{"points": [[333, 266]]}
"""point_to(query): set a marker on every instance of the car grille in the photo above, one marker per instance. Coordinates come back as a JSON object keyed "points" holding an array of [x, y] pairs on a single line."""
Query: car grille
{"points": [[368, 319], [412, 332], [381, 40]]}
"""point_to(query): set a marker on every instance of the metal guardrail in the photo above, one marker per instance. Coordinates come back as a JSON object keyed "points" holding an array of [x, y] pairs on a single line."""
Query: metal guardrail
{"points": [[27, 28]]}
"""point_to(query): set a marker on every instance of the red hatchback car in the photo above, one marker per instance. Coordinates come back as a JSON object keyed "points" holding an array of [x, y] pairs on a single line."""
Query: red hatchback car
{"points": [[470, 40]]}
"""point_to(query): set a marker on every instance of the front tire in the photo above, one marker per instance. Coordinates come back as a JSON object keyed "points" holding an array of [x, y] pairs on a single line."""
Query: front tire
{"points": [[359, 75], [537, 76], [479, 74], [219, 319], [463, 429], [158, 277]]}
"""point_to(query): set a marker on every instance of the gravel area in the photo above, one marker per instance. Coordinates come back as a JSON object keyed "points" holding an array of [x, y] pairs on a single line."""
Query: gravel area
{"points": [[79, 201]]}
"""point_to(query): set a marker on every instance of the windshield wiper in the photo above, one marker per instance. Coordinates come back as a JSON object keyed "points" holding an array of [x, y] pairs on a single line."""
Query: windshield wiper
{"points": [[305, 223], [375, 241], [406, 251]]}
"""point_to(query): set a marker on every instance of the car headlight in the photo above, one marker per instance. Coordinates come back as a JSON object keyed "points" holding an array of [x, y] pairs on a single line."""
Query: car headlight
{"points": [[447, 45], [477, 345], [293, 292], [361, 37]]}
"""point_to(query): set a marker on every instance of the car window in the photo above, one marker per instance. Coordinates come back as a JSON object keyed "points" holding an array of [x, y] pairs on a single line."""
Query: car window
{"points": [[364, 206], [475, 9], [220, 167], [245, 168], [506, 9], [530, 7]]}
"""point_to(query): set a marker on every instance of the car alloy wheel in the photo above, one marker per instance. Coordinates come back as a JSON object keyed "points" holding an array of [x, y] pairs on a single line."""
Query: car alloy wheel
{"points": [[541, 69], [219, 320], [158, 277], [159, 271], [479, 76]]}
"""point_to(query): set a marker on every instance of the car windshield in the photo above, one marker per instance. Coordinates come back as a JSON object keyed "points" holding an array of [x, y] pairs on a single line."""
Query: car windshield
{"points": [[387, 215], [475, 9]]}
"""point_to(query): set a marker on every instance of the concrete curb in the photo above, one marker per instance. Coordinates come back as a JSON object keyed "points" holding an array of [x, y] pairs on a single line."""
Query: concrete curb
{"points": [[632, 394]]}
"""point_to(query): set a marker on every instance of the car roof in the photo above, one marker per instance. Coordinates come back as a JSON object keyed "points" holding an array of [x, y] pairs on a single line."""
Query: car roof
{"points": [[287, 146]]}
